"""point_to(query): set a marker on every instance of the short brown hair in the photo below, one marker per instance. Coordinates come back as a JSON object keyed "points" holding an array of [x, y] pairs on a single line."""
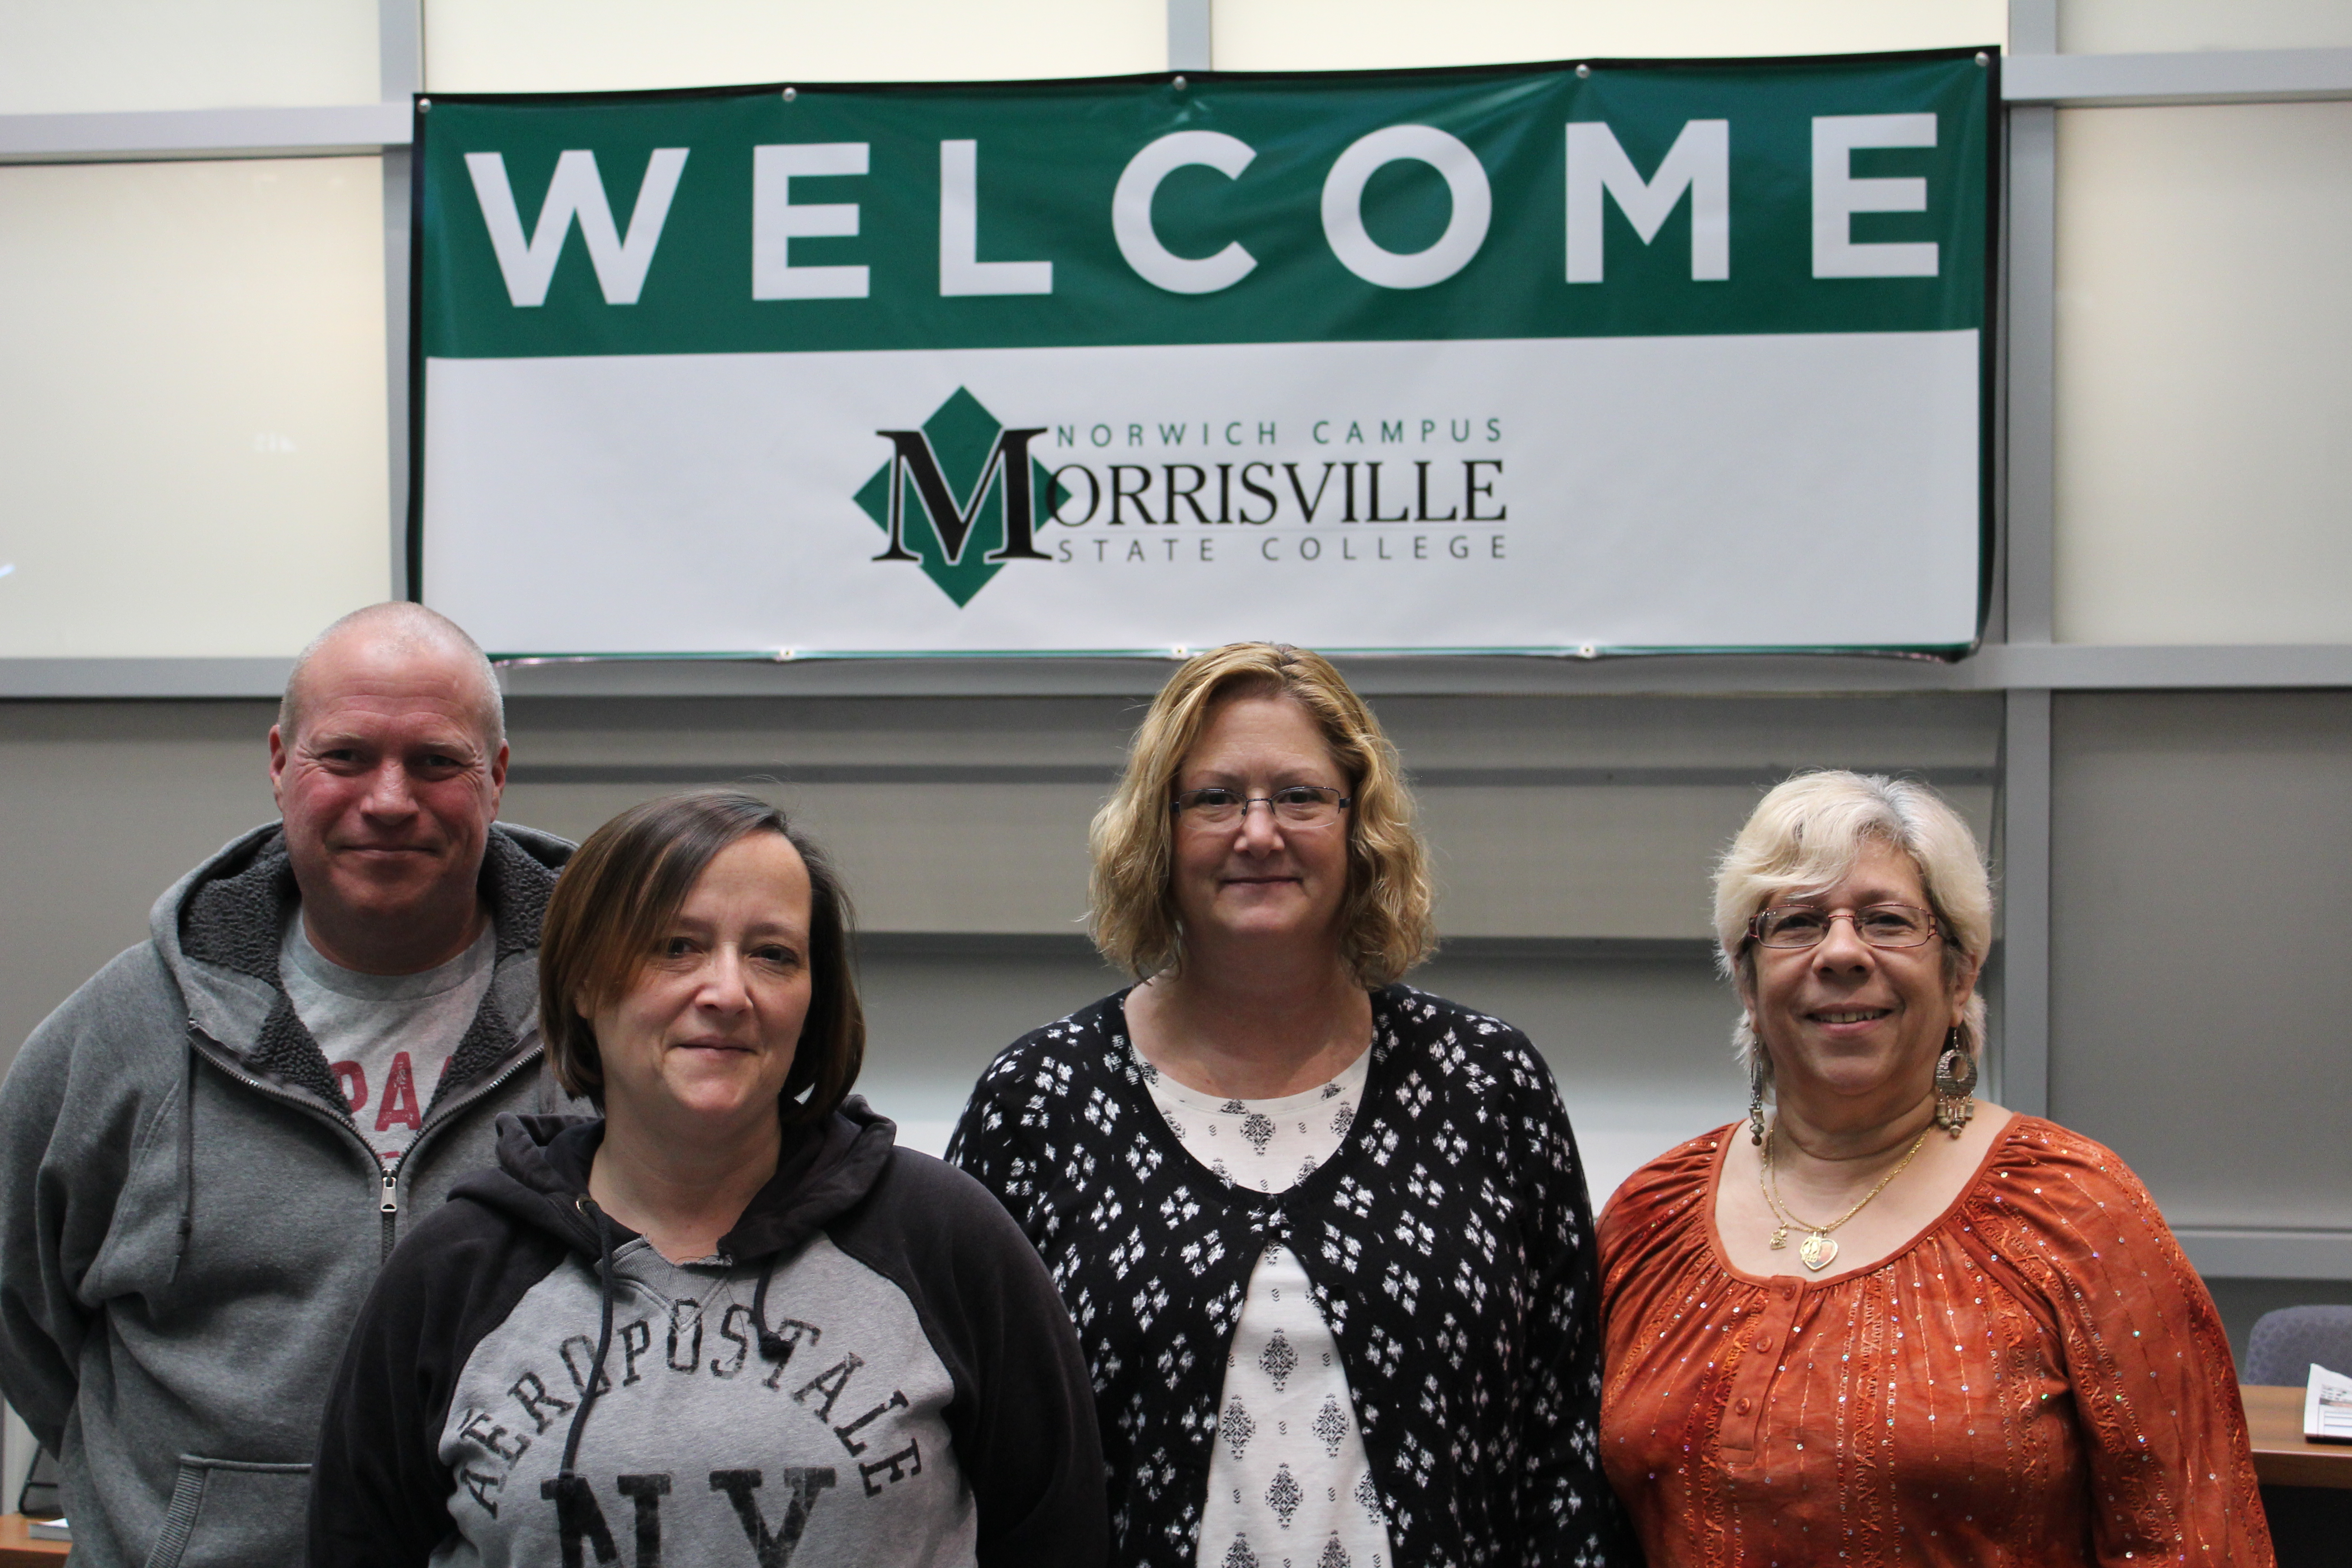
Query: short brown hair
{"points": [[619, 894], [1384, 924]]}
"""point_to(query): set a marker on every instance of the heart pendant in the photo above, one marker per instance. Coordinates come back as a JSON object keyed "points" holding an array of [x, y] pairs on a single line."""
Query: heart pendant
{"points": [[1817, 1252]]}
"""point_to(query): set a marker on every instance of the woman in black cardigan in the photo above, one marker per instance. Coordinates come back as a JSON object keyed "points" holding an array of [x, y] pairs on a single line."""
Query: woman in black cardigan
{"points": [[1326, 1238]]}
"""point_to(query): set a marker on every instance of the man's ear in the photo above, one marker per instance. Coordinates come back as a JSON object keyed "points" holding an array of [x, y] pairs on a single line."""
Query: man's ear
{"points": [[497, 779], [280, 756]]}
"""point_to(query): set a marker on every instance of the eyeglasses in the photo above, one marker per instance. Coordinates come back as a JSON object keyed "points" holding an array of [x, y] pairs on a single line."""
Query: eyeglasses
{"points": [[1293, 806], [1880, 925]]}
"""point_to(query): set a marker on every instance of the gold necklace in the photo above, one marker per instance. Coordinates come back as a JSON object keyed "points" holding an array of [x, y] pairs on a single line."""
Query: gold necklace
{"points": [[1817, 1251]]}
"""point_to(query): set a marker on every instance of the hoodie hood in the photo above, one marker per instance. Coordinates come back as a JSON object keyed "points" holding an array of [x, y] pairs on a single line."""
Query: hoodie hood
{"points": [[217, 932], [541, 1183], [824, 1171]]}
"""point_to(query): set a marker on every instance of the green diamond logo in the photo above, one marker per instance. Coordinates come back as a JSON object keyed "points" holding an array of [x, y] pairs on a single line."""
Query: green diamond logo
{"points": [[962, 497]]}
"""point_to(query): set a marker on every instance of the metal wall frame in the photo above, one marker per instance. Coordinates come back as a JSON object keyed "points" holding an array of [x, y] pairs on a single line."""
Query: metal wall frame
{"points": [[2020, 658], [2021, 1070]]}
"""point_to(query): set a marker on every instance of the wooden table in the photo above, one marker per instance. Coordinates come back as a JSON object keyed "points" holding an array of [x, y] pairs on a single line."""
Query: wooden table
{"points": [[2282, 1455], [19, 1550]]}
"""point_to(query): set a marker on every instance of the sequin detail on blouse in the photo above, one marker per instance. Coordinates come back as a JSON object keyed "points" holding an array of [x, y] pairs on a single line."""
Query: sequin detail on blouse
{"points": [[2039, 1378]]}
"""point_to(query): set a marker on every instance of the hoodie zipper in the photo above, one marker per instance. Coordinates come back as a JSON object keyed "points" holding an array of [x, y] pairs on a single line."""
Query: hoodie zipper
{"points": [[389, 1204], [388, 1197]]}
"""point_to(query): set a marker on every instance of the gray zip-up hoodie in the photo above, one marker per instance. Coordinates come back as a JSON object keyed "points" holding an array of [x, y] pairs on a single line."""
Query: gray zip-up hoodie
{"points": [[190, 1218]]}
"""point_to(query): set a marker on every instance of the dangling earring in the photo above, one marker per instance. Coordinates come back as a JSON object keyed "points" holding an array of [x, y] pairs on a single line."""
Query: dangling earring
{"points": [[1755, 1096], [1956, 1082]]}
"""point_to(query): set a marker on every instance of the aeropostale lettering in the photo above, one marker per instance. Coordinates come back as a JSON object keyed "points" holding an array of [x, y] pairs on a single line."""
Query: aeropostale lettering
{"points": [[841, 1405]]}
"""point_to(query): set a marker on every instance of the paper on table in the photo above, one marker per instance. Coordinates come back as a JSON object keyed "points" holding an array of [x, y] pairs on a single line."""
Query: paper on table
{"points": [[2327, 1406], [47, 1530]]}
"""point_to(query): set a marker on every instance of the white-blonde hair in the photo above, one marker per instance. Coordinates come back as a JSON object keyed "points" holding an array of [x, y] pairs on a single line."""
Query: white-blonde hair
{"points": [[1805, 836]]}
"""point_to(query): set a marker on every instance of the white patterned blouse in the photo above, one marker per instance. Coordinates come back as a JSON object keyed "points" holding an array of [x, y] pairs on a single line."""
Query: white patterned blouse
{"points": [[1289, 1483]]}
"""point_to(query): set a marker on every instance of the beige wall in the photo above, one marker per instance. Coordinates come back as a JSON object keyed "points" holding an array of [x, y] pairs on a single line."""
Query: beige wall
{"points": [[192, 422], [63, 56], [2157, 27], [2205, 375], [1356, 34], [193, 455], [549, 46]]}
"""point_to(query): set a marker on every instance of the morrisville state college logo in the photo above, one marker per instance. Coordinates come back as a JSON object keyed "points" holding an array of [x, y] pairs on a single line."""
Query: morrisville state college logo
{"points": [[961, 496]]}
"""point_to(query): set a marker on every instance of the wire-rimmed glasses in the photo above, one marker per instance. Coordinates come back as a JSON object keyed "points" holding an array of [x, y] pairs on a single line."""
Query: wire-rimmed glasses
{"points": [[1880, 925], [1293, 806]]}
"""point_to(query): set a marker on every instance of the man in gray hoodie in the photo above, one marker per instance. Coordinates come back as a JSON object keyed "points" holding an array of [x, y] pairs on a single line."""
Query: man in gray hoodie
{"points": [[208, 1151]]}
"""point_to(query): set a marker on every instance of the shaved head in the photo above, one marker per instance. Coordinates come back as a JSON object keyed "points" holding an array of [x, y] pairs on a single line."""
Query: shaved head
{"points": [[387, 762], [397, 628]]}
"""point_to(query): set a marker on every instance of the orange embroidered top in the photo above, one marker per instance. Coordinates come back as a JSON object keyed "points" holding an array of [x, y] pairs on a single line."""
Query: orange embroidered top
{"points": [[2038, 1378]]}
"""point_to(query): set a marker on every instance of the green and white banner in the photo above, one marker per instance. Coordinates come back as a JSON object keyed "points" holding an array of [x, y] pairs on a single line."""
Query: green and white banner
{"points": [[1603, 357]]}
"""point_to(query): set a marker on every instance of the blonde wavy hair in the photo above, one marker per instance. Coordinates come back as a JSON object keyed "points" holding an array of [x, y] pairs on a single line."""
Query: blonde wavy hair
{"points": [[1384, 923], [1803, 837]]}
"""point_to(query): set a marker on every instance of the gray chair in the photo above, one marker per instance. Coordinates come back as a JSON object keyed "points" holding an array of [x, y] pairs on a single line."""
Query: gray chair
{"points": [[2285, 1343]]}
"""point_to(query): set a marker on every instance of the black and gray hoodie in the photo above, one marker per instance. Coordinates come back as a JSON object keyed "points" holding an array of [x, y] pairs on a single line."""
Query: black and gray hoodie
{"points": [[873, 1370], [190, 1219]]}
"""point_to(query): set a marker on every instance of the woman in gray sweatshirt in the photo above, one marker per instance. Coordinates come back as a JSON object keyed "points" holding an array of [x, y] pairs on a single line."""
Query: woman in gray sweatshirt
{"points": [[727, 1320]]}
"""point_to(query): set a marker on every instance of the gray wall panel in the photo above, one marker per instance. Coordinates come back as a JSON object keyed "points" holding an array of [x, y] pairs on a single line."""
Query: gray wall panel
{"points": [[1550, 816], [1593, 861], [1771, 735], [102, 806], [1641, 1044], [767, 733], [916, 858], [2202, 913], [1579, 862], [1604, 831], [1639, 1040]]}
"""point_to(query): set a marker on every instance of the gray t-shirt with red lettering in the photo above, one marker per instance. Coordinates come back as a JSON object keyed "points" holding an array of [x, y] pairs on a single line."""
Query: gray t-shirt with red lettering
{"points": [[386, 1037]]}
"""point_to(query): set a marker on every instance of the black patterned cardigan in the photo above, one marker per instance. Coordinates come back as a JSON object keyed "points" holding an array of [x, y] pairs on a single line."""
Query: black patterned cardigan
{"points": [[1449, 1242]]}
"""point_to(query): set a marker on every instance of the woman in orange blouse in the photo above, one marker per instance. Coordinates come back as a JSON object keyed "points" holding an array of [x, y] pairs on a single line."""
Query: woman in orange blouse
{"points": [[1887, 1322]]}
